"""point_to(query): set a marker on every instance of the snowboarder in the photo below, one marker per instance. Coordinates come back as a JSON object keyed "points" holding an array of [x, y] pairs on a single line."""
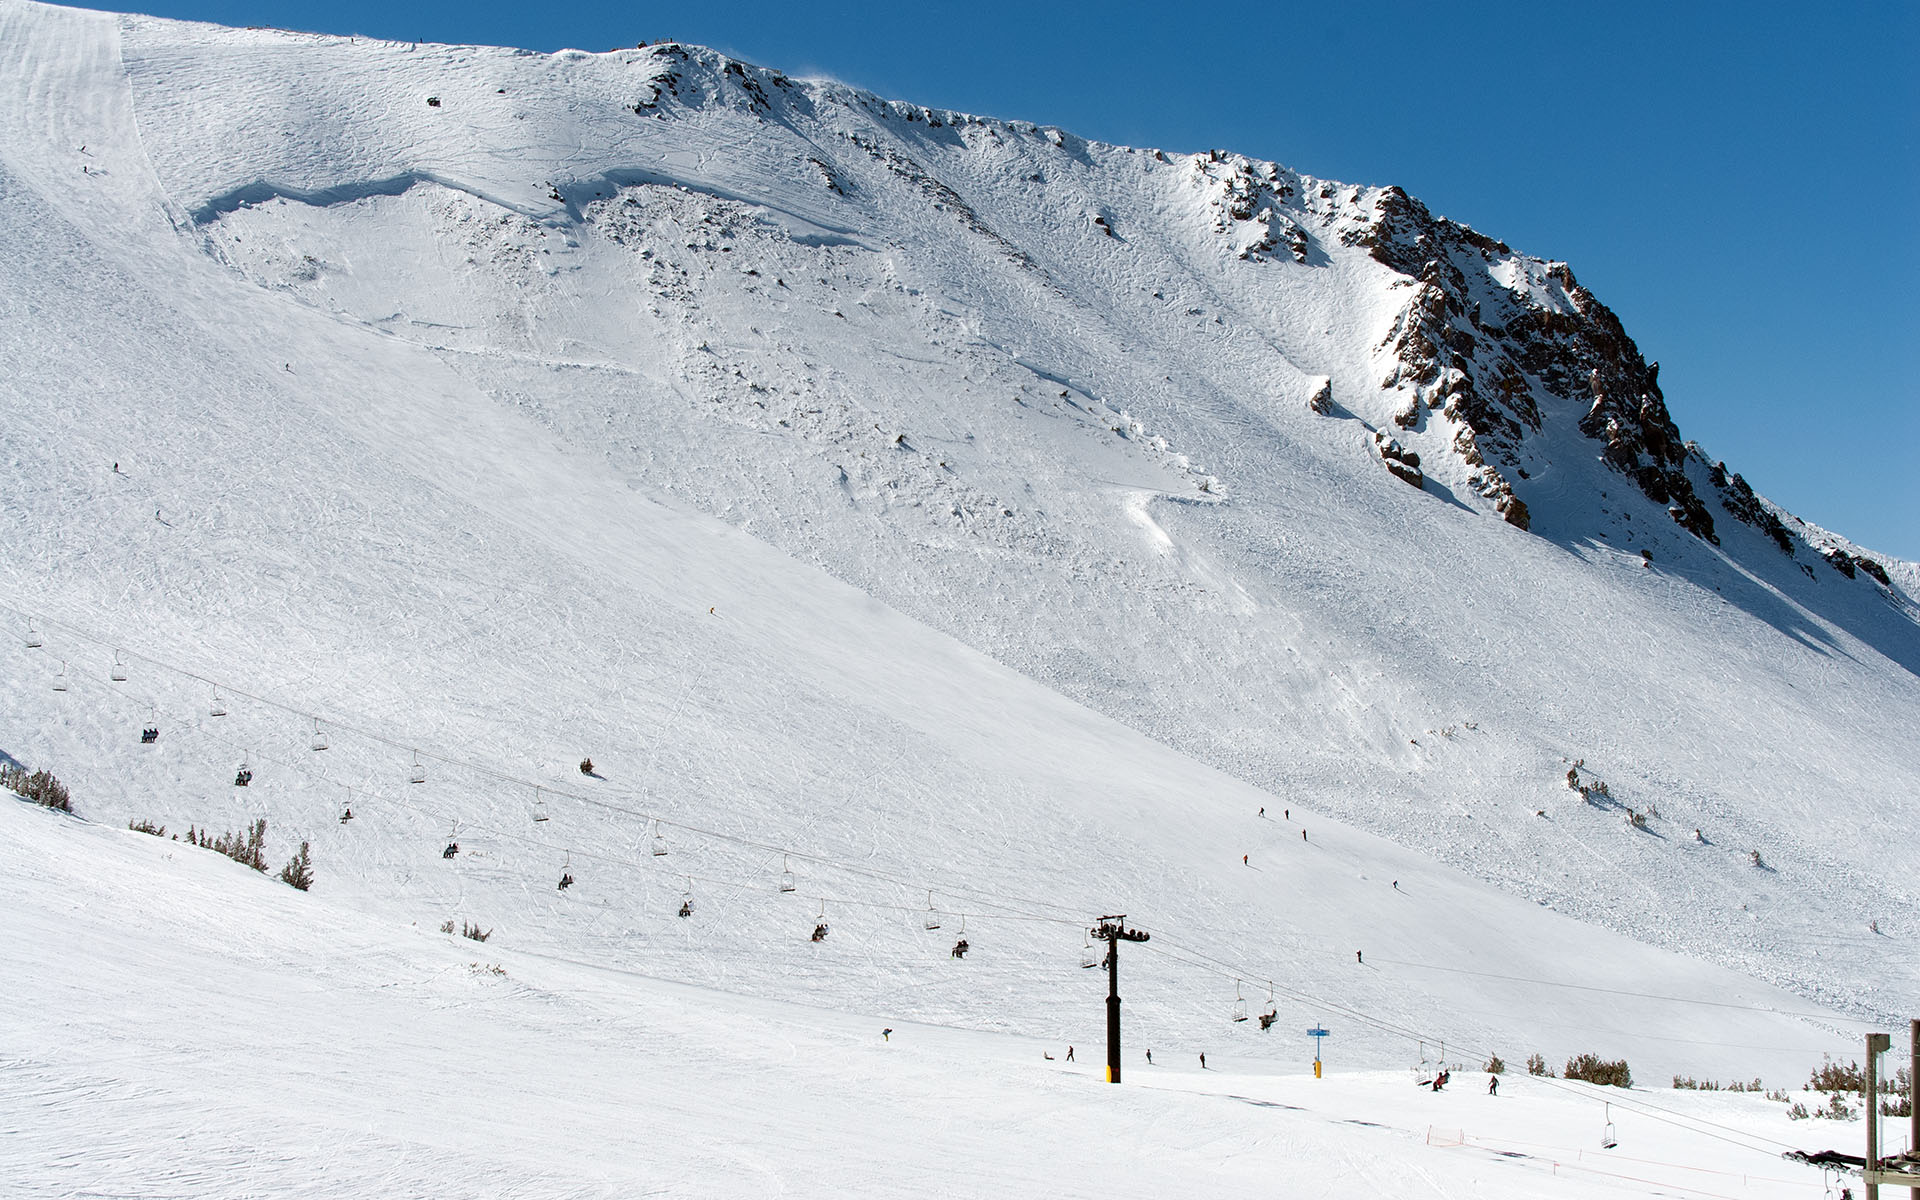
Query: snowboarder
{"points": [[1358, 957], [1287, 813], [1203, 1060], [1493, 1085], [1263, 808], [886, 1035], [1069, 1053], [1303, 835]]}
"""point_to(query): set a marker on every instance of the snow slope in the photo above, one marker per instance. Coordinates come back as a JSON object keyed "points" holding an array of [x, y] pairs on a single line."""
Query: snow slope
{"points": [[925, 505], [247, 1040]]}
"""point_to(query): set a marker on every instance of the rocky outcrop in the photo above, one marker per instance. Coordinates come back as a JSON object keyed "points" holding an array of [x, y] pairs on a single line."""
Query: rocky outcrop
{"points": [[1487, 336]]}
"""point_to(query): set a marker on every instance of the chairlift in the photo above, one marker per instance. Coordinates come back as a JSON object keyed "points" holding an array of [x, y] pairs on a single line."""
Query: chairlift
{"points": [[820, 922], [566, 873], [118, 673], [1423, 1073], [217, 708], [34, 640], [786, 874], [149, 735], [1607, 1140], [419, 772], [933, 918], [453, 844], [686, 899], [320, 737], [1239, 1005], [659, 841], [60, 680], [1088, 959], [242, 775], [346, 814], [539, 806]]}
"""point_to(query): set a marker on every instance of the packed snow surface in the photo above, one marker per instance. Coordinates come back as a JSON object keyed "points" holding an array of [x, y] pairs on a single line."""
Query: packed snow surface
{"points": [[922, 509]]}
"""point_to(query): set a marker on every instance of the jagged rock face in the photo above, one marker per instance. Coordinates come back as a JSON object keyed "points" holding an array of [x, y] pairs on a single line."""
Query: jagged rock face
{"points": [[1488, 351]]}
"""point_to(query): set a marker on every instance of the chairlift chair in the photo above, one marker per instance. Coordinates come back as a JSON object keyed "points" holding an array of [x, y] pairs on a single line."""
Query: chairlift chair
{"points": [[319, 735], [346, 814], [118, 672], [686, 899], [1088, 959], [539, 806], [60, 680], [217, 708], [34, 640], [419, 772], [659, 841], [786, 874], [566, 873], [933, 918], [1607, 1140], [149, 735], [243, 774], [1239, 1005]]}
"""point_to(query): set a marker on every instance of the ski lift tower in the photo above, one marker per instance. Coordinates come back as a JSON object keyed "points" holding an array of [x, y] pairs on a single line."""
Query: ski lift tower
{"points": [[1113, 930], [1317, 1034], [1893, 1171]]}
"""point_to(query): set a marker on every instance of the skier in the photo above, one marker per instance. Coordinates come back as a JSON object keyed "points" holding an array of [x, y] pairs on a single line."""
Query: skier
{"points": [[1203, 1060], [1303, 835], [1244, 862], [1149, 1058], [1069, 1053], [1357, 957], [886, 1035], [1493, 1085], [1263, 808]]}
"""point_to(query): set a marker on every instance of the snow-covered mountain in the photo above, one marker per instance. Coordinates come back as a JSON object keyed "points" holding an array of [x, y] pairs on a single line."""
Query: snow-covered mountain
{"points": [[951, 513]]}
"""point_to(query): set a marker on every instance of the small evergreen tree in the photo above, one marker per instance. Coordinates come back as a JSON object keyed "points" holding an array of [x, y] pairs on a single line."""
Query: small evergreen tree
{"points": [[299, 872]]}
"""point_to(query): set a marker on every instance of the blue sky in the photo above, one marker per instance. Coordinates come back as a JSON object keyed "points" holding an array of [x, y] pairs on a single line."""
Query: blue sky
{"points": [[1739, 182]]}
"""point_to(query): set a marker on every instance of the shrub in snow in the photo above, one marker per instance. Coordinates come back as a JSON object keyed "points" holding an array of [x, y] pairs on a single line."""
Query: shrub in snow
{"points": [[248, 847], [145, 826], [1495, 1066], [1798, 1112], [1594, 1069], [299, 872], [40, 787], [1538, 1066]]}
